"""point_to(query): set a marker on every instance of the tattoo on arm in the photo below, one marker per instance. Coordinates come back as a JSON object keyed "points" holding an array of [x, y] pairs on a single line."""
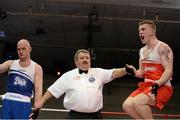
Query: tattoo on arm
{"points": [[165, 52]]}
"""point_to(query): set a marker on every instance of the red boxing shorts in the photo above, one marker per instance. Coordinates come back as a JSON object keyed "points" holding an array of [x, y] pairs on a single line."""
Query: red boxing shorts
{"points": [[164, 93]]}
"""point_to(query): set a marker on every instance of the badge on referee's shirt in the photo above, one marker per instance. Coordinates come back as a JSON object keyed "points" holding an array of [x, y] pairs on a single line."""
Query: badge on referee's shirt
{"points": [[91, 79]]}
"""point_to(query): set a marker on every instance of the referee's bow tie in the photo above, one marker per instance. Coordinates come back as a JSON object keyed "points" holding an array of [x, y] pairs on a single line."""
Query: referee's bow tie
{"points": [[83, 71]]}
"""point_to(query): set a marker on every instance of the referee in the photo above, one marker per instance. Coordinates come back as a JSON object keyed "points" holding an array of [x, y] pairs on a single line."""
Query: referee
{"points": [[82, 87]]}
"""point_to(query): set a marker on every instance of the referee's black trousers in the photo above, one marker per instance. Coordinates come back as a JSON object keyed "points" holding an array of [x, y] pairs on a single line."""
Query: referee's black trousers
{"points": [[80, 115]]}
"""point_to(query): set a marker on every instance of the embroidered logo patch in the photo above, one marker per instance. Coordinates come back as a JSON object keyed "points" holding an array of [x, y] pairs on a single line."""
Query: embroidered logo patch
{"points": [[91, 79]]}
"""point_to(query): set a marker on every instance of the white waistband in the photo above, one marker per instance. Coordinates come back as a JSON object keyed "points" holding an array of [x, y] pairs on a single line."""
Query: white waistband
{"points": [[17, 97]]}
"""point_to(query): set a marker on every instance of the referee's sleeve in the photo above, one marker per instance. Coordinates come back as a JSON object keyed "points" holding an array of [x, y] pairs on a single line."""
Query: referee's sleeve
{"points": [[57, 88]]}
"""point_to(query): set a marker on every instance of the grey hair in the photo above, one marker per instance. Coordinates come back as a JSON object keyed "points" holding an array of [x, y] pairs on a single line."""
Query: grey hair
{"points": [[80, 51]]}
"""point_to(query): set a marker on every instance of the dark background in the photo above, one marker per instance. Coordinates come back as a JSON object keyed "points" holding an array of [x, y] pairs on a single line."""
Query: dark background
{"points": [[57, 28]]}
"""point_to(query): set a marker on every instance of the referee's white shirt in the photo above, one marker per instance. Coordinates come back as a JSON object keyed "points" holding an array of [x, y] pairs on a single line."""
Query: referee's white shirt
{"points": [[83, 92]]}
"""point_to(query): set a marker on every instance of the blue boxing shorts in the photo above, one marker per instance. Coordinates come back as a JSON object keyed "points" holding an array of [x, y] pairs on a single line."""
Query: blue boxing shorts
{"points": [[14, 109]]}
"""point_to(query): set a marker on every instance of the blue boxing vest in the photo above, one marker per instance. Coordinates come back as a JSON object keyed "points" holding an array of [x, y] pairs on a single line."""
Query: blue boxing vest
{"points": [[21, 79]]}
